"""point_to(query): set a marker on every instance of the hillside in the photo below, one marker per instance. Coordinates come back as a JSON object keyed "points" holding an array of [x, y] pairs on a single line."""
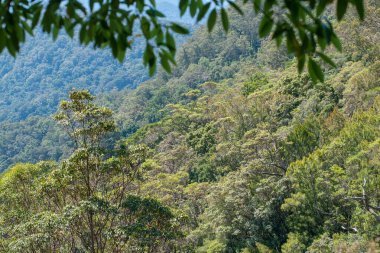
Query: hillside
{"points": [[33, 84], [232, 152], [198, 62]]}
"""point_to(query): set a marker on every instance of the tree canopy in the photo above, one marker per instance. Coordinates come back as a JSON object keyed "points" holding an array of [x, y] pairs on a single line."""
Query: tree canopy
{"points": [[112, 23], [232, 152]]}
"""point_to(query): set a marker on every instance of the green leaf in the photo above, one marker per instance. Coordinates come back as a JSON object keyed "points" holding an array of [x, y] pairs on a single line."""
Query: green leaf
{"points": [[152, 68], [326, 59], [341, 8], [2, 39], [170, 42], [145, 27], [27, 27], [82, 34], [114, 47], [179, 29], [211, 20], [268, 4], [140, 6], [265, 26], [193, 8], [359, 4], [315, 71], [121, 55], [149, 59], [55, 32], [291, 41], [225, 21], [36, 17], [336, 42], [236, 7], [278, 34], [257, 5], [301, 63], [321, 7], [11, 49], [203, 11], [183, 4], [322, 42], [165, 63]]}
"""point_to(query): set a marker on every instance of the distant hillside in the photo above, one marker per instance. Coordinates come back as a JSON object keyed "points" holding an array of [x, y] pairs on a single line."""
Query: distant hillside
{"points": [[44, 71], [172, 13], [32, 85], [34, 82], [54, 69]]}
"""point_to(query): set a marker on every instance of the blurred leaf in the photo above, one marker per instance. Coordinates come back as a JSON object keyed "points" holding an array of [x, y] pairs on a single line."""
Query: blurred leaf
{"points": [[265, 26], [225, 21], [236, 7], [165, 63], [326, 59], [179, 29], [203, 11], [321, 6], [336, 42], [212, 20], [359, 4], [183, 4], [170, 42], [301, 63], [341, 8], [193, 7], [315, 71]]}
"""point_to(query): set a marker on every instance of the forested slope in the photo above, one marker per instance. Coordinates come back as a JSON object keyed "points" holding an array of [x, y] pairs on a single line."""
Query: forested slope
{"points": [[32, 85], [45, 70], [264, 159], [198, 61], [35, 82], [233, 152]]}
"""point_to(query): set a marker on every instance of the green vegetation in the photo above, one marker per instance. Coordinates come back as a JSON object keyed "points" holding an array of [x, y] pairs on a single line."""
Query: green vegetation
{"points": [[232, 152], [44, 72], [82, 204], [303, 24]]}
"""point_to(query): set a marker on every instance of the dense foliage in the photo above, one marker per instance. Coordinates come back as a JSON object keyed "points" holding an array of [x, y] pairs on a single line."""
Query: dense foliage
{"points": [[302, 23], [198, 61], [43, 73], [232, 152], [32, 85]]}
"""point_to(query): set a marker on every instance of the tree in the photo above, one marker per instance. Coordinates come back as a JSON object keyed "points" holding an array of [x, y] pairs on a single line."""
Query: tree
{"points": [[111, 24], [83, 204]]}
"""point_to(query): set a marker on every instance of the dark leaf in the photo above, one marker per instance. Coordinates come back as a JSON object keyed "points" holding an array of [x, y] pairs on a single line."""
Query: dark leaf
{"points": [[336, 42], [179, 29], [315, 71], [265, 26], [225, 21], [203, 11], [359, 4], [326, 59], [341, 8], [183, 4], [236, 7], [212, 20], [301, 63]]}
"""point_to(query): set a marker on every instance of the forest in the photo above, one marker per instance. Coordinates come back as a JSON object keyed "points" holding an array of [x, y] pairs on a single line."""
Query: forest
{"points": [[233, 151]]}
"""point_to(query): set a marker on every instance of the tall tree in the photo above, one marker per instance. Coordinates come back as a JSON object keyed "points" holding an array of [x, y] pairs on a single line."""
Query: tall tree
{"points": [[84, 204]]}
